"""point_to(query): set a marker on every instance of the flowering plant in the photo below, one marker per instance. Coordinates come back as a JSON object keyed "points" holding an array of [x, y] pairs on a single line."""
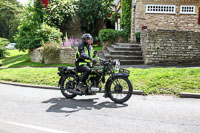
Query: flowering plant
{"points": [[72, 42]]}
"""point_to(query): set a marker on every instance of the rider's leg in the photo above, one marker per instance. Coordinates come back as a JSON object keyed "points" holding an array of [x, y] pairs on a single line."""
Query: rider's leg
{"points": [[86, 71]]}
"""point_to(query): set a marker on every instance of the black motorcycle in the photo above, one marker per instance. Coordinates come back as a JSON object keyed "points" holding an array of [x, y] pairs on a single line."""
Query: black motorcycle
{"points": [[117, 85]]}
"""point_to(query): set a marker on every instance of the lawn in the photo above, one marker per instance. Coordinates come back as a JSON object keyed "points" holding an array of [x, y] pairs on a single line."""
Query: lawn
{"points": [[166, 80], [22, 59], [151, 81]]}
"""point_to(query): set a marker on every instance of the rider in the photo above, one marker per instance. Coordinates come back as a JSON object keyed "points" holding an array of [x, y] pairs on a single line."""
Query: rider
{"points": [[85, 58]]}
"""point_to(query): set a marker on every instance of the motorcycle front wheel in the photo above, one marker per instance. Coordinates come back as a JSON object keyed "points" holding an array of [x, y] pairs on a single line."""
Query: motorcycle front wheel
{"points": [[120, 89], [68, 83]]}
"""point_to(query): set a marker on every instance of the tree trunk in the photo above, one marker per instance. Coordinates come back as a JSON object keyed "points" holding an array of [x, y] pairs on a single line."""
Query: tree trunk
{"points": [[8, 27]]}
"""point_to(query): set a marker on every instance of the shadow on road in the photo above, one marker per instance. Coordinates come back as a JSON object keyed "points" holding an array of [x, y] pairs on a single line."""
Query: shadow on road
{"points": [[62, 105]]}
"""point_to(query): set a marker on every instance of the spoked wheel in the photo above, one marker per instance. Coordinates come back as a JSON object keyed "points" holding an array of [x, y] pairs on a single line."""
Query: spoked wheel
{"points": [[120, 89], [68, 83]]}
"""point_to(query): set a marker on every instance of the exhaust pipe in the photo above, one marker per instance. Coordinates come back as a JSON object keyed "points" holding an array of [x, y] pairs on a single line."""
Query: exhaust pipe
{"points": [[75, 92]]}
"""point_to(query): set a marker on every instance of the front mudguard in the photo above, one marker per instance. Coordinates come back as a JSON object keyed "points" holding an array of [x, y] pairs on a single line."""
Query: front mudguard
{"points": [[110, 79]]}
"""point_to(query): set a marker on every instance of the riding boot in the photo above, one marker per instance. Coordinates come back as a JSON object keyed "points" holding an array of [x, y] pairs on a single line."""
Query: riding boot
{"points": [[81, 86]]}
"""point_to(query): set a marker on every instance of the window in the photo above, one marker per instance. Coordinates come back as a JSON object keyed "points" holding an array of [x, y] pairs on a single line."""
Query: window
{"points": [[169, 9], [187, 9]]}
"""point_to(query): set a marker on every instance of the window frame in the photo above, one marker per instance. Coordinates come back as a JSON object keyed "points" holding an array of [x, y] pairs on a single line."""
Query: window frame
{"points": [[194, 11], [161, 12]]}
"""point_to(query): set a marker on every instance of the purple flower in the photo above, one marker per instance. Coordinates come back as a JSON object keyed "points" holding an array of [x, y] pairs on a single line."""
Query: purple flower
{"points": [[72, 42]]}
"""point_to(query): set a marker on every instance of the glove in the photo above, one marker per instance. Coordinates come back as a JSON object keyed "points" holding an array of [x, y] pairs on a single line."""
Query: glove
{"points": [[94, 61]]}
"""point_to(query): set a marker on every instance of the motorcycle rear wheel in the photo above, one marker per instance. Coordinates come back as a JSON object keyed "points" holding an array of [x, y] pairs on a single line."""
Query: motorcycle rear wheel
{"points": [[68, 83], [120, 89]]}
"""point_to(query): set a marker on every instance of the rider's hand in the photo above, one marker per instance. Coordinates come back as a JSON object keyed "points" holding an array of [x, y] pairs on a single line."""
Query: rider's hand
{"points": [[94, 61]]}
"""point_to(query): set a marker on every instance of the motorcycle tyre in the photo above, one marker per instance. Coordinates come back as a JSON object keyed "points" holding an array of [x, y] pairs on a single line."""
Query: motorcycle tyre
{"points": [[129, 94], [63, 90]]}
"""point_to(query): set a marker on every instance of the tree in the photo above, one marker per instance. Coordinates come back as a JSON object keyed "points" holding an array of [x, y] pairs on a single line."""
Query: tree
{"points": [[32, 33], [59, 12], [92, 11], [9, 21]]}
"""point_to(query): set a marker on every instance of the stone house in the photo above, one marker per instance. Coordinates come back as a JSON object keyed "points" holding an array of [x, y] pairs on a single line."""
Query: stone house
{"points": [[179, 15]]}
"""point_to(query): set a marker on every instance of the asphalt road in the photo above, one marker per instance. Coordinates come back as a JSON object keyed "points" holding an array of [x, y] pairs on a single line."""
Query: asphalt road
{"points": [[30, 110]]}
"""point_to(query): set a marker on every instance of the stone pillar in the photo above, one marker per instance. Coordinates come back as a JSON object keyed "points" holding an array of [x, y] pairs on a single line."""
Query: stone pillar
{"points": [[133, 39]]}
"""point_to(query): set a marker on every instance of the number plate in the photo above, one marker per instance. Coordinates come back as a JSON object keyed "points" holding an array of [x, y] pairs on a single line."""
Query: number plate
{"points": [[121, 70], [117, 65]]}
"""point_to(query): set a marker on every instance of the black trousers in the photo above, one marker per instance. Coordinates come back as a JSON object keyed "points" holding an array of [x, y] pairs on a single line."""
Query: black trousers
{"points": [[86, 72]]}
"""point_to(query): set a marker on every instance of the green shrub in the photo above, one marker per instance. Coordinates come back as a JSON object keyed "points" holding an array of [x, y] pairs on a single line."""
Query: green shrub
{"points": [[112, 35], [28, 39], [51, 51], [124, 34], [49, 34], [3, 43], [137, 34], [107, 35]]}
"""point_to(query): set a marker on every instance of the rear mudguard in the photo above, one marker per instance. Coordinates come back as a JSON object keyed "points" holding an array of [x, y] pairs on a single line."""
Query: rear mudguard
{"points": [[59, 82], [63, 76], [112, 78]]}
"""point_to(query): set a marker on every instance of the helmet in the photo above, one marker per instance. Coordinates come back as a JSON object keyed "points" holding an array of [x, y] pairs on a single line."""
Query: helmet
{"points": [[85, 37]]}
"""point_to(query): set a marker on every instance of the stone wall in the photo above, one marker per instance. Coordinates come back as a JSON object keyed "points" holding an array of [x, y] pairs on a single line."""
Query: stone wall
{"points": [[170, 47], [36, 55], [67, 55]]}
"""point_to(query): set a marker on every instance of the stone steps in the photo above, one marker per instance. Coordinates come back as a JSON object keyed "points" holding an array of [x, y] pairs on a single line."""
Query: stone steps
{"points": [[112, 51], [121, 57], [127, 53], [127, 45], [125, 48]]}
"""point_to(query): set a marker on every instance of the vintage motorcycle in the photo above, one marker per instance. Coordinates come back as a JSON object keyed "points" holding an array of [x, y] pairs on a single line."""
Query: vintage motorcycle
{"points": [[117, 85]]}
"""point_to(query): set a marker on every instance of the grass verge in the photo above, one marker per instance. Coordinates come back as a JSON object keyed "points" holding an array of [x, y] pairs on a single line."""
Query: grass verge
{"points": [[22, 59], [151, 81]]}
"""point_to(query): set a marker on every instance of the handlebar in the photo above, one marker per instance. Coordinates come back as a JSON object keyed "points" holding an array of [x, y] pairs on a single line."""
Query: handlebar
{"points": [[106, 62]]}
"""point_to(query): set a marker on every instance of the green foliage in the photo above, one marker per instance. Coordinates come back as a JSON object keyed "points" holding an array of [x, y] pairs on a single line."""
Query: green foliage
{"points": [[49, 34], [115, 17], [51, 51], [124, 34], [59, 12], [92, 11], [3, 43], [9, 18], [126, 16], [137, 34], [107, 35], [112, 35], [31, 33], [27, 37]]}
